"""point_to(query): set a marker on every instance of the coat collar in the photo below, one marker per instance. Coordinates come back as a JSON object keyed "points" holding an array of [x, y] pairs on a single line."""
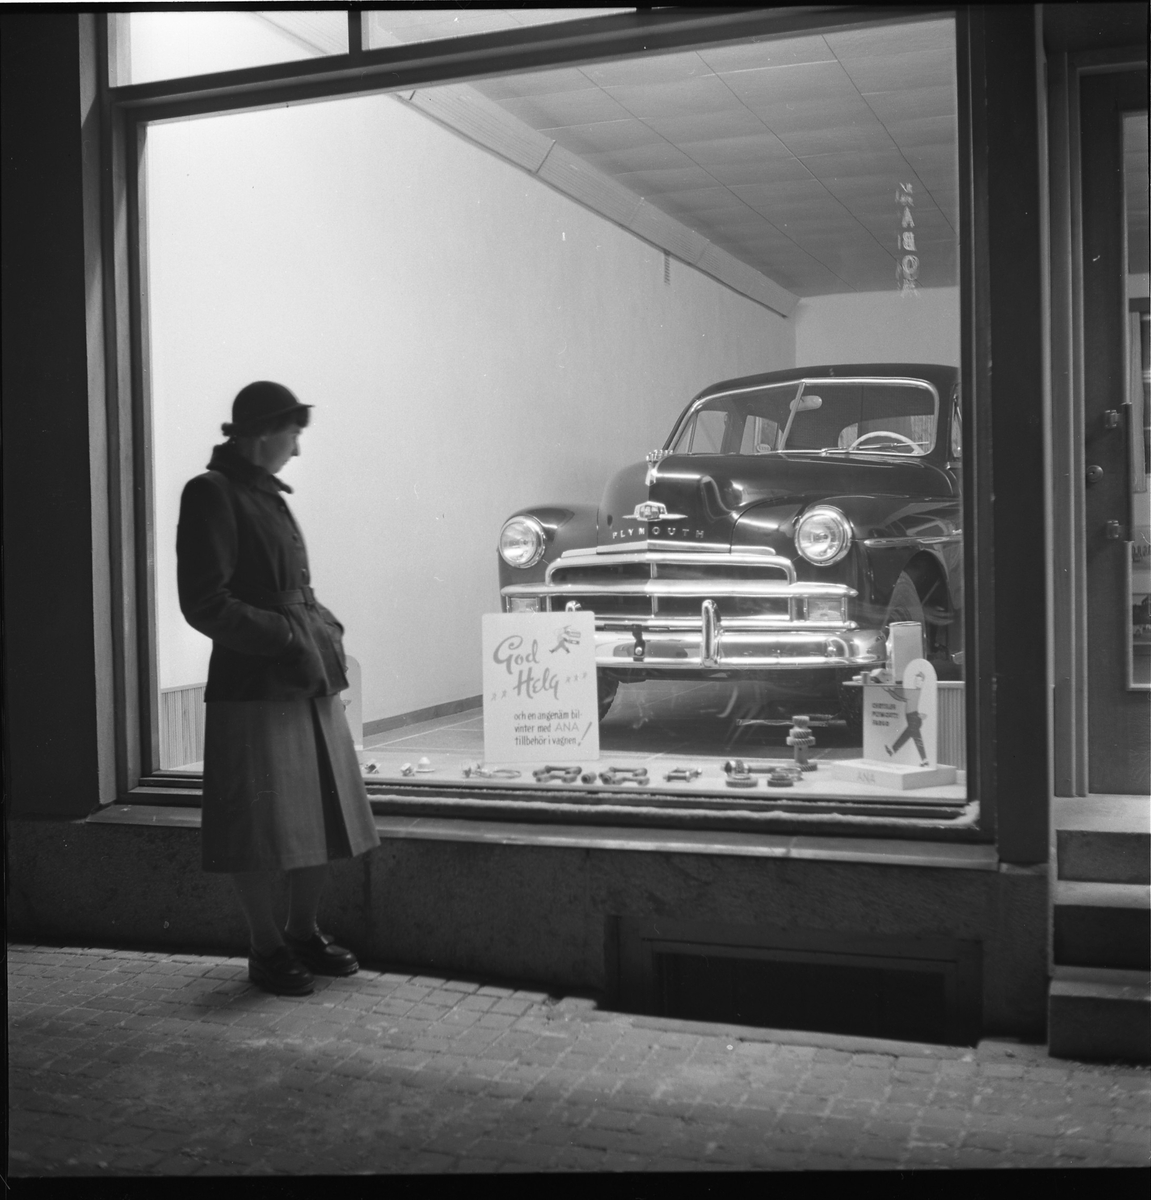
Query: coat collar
{"points": [[227, 460]]}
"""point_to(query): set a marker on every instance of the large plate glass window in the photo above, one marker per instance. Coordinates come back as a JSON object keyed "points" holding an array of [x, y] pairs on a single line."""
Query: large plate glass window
{"points": [[670, 341]]}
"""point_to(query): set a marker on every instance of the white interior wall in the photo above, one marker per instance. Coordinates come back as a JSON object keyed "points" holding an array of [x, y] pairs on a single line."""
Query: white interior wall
{"points": [[877, 327], [472, 341]]}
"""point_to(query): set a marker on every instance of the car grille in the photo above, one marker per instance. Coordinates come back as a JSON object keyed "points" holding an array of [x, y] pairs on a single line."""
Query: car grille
{"points": [[600, 578]]}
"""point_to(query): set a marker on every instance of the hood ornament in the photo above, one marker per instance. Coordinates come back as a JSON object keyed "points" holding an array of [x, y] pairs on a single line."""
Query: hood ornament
{"points": [[653, 459], [653, 510]]}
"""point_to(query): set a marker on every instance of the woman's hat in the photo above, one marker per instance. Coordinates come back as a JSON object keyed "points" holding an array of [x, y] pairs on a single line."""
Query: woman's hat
{"points": [[262, 401]]}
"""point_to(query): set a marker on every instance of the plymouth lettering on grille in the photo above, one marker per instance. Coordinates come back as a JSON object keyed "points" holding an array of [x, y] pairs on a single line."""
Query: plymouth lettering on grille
{"points": [[655, 531]]}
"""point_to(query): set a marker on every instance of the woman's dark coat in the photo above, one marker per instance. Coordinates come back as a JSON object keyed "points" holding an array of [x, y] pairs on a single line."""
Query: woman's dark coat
{"points": [[243, 580]]}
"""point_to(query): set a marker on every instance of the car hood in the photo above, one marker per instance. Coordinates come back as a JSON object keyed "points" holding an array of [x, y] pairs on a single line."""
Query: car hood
{"points": [[705, 495]]}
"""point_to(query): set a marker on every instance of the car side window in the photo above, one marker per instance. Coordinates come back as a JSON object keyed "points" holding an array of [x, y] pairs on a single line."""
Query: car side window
{"points": [[759, 435], [707, 437]]}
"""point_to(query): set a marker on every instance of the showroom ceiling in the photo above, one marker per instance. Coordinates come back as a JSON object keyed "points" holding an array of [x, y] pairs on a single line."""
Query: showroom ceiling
{"points": [[785, 153]]}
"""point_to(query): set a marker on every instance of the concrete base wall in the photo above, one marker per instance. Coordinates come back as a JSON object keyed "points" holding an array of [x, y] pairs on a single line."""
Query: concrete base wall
{"points": [[523, 911]]}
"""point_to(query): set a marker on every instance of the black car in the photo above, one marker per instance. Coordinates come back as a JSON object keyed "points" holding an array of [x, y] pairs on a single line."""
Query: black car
{"points": [[789, 518]]}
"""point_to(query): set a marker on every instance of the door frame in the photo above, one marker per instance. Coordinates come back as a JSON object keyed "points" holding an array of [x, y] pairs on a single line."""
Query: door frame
{"points": [[1066, 481]]}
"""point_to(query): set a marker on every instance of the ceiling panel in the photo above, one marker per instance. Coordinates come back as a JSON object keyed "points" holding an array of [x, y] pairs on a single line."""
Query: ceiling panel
{"points": [[732, 150], [565, 108], [537, 83], [714, 201], [780, 52], [889, 72], [925, 131], [758, 170], [708, 94], [644, 72], [860, 139], [798, 191], [694, 127], [849, 164], [743, 224], [808, 81], [604, 136], [906, 37], [653, 183], [793, 116], [660, 156], [912, 104]]}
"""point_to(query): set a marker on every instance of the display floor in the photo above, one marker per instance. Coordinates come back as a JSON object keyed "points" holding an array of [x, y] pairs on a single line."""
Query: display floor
{"points": [[657, 726]]}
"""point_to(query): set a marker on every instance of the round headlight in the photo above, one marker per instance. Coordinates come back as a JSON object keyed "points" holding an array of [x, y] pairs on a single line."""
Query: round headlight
{"points": [[522, 542], [823, 535]]}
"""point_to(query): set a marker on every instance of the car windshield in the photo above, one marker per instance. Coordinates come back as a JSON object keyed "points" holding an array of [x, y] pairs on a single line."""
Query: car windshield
{"points": [[821, 416]]}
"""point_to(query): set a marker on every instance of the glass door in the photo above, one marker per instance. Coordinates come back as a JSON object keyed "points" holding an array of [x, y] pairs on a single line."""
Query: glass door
{"points": [[1113, 116]]}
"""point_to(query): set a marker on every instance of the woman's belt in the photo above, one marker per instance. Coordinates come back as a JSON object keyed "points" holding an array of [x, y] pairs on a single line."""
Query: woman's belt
{"points": [[261, 598]]}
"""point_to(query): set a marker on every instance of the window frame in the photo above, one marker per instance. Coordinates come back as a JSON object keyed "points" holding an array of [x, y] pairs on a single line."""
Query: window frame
{"points": [[125, 114]]}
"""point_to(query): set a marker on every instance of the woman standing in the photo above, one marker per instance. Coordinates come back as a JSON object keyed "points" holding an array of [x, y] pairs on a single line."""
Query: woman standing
{"points": [[282, 783]]}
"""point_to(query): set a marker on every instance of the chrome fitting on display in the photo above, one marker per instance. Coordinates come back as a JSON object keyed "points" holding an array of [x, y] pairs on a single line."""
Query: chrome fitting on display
{"points": [[625, 775], [557, 774]]}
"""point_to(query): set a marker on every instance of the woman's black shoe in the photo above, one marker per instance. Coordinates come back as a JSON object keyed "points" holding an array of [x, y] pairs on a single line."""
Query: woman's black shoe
{"points": [[320, 954], [281, 973]]}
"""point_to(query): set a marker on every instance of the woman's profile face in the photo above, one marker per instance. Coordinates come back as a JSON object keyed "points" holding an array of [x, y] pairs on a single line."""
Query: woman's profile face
{"points": [[278, 449]]}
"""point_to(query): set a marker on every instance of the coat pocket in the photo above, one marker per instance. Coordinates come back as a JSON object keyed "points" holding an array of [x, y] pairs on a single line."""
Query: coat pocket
{"points": [[336, 633], [302, 662]]}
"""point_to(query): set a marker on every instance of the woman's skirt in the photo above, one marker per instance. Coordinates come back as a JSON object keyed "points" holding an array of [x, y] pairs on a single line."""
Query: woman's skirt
{"points": [[282, 786]]}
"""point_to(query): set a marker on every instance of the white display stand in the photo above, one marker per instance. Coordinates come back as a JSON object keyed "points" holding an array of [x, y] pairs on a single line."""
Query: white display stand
{"points": [[904, 646], [900, 732], [540, 698]]}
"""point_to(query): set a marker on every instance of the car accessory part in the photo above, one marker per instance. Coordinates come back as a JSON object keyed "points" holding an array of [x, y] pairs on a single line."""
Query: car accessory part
{"points": [[785, 777], [802, 739], [763, 766], [625, 775], [684, 774], [557, 774], [483, 772]]}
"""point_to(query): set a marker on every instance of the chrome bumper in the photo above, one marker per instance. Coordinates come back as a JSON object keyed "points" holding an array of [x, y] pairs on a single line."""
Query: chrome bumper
{"points": [[643, 643]]}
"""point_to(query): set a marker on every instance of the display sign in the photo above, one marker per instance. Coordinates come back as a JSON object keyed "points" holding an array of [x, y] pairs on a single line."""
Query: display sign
{"points": [[540, 698], [901, 720], [907, 260], [900, 732]]}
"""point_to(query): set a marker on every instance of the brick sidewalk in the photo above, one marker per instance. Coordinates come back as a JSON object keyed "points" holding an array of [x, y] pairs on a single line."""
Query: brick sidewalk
{"points": [[126, 1063]]}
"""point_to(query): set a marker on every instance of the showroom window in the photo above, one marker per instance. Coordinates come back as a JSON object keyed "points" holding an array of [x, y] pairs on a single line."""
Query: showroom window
{"points": [[635, 466]]}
